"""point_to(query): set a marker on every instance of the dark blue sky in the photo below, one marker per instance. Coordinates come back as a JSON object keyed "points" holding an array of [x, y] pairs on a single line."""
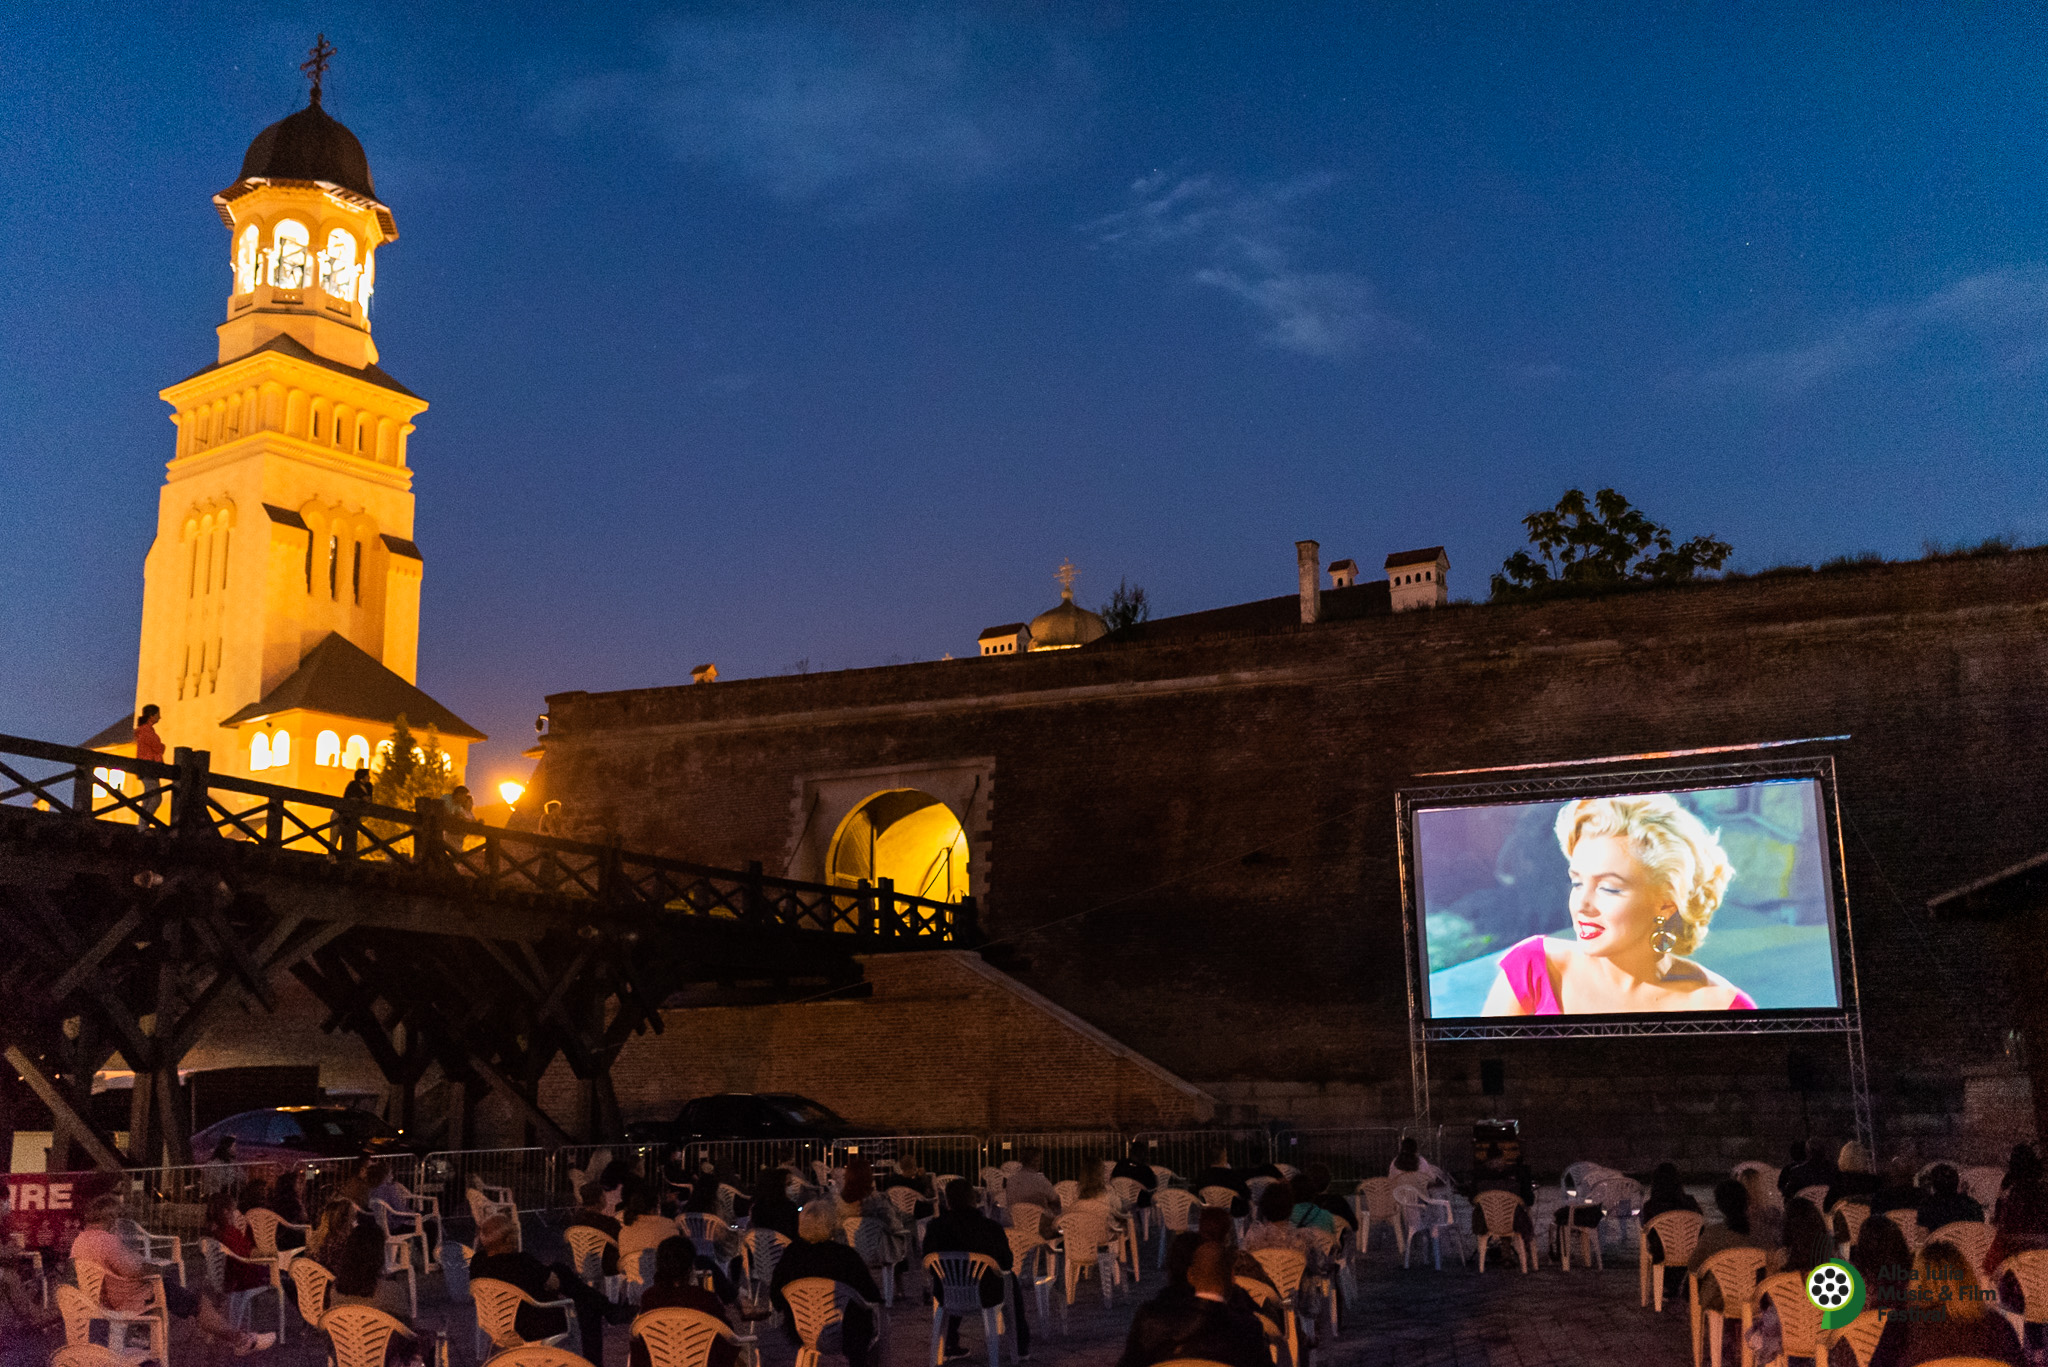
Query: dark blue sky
{"points": [[767, 334]]}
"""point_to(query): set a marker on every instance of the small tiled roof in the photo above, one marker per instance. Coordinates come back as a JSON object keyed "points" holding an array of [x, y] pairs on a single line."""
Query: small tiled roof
{"points": [[286, 346], [339, 677], [1425, 556], [122, 732], [1008, 629], [1371, 599]]}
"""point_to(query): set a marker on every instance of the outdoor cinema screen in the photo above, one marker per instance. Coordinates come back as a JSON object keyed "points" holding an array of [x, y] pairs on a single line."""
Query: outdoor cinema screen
{"points": [[1634, 903]]}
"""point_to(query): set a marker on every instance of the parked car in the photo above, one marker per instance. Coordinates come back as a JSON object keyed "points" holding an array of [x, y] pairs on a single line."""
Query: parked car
{"points": [[744, 1115], [298, 1134]]}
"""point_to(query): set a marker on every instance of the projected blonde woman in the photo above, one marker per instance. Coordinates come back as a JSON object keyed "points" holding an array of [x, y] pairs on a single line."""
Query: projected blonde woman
{"points": [[1646, 879]]}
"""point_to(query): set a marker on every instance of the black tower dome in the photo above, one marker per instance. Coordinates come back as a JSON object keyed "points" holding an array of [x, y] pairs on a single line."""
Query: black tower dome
{"points": [[309, 145]]}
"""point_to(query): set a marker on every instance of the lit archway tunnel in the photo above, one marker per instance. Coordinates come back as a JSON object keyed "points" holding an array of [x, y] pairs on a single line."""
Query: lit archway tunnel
{"points": [[908, 837]]}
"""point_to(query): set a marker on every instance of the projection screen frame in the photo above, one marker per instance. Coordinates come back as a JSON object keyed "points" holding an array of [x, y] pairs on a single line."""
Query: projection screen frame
{"points": [[1595, 778]]}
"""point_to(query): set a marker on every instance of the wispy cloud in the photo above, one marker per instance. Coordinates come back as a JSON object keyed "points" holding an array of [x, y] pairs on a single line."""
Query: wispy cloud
{"points": [[1245, 241], [860, 114], [1999, 316]]}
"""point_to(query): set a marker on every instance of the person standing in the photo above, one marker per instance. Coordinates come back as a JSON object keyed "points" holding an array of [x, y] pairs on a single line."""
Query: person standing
{"points": [[353, 799], [149, 747]]}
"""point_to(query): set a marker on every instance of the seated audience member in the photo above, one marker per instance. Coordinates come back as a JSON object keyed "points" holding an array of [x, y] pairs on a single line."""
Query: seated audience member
{"points": [[772, 1208], [1410, 1159], [1766, 1209], [910, 1174], [1731, 1199], [359, 1280], [229, 1227], [324, 1244], [1896, 1190], [1497, 1174], [1216, 1227], [1028, 1183], [1140, 1173], [1885, 1262], [287, 1201], [1855, 1180], [1809, 1168], [1808, 1244], [964, 1229], [1204, 1325], [857, 1196], [2021, 1216], [14, 1268], [704, 1185], [1219, 1173], [591, 1215], [126, 1285], [1274, 1228], [814, 1254], [1094, 1190], [1312, 1188], [499, 1258], [1944, 1202], [1950, 1323], [675, 1288], [1667, 1193]]}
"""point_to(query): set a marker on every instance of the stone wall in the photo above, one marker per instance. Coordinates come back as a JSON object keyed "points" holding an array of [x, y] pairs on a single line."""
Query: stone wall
{"points": [[1190, 844], [945, 1045]]}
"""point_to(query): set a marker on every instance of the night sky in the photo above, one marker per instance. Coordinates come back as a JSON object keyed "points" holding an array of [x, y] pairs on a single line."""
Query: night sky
{"points": [[768, 335]]}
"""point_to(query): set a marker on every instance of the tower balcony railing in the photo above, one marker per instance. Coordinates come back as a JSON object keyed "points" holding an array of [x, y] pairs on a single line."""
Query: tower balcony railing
{"points": [[185, 800]]}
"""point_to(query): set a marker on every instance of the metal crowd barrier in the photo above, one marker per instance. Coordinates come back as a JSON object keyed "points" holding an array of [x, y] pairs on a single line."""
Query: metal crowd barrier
{"points": [[959, 1155], [741, 1161], [1351, 1155], [1187, 1152], [1066, 1155], [523, 1172]]}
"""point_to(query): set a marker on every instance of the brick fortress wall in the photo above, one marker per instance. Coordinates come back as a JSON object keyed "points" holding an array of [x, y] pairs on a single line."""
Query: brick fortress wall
{"points": [[1191, 844]]}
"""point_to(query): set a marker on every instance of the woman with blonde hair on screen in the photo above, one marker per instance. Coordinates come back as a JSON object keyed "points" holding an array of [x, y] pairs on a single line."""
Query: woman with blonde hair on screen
{"points": [[1647, 877]]}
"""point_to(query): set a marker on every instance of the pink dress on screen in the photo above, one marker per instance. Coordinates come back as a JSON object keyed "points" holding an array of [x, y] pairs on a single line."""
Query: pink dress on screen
{"points": [[1527, 969]]}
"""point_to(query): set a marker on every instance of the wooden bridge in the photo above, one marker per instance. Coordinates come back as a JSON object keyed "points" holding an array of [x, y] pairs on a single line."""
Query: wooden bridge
{"points": [[140, 901]]}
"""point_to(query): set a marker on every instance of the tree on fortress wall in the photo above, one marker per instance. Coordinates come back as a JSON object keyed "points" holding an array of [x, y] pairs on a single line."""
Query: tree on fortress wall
{"points": [[1604, 542], [1126, 607]]}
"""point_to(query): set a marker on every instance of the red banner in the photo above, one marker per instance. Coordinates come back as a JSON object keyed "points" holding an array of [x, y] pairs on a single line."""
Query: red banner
{"points": [[47, 1208]]}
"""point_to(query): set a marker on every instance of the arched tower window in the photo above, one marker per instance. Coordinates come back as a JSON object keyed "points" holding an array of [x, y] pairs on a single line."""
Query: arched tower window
{"points": [[334, 567], [293, 263], [280, 749], [338, 264], [356, 754], [356, 575], [259, 753], [327, 749], [245, 259], [366, 279]]}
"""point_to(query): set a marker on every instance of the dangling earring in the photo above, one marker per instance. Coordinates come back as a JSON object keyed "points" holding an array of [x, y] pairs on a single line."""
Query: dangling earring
{"points": [[1663, 941]]}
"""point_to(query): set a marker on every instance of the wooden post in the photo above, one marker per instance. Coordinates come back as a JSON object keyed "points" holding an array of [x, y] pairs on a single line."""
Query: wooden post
{"points": [[188, 792], [61, 1111]]}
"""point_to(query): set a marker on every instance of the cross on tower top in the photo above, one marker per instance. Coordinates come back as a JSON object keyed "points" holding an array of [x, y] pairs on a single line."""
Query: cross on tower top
{"points": [[315, 65], [1066, 578]]}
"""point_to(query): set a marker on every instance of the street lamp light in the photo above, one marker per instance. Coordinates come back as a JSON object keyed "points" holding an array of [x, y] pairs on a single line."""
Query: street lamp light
{"points": [[511, 790]]}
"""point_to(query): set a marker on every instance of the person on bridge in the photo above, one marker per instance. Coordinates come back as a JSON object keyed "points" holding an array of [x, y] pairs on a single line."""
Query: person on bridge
{"points": [[359, 792], [148, 746]]}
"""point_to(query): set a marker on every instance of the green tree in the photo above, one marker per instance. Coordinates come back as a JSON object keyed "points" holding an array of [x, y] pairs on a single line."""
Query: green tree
{"points": [[407, 768], [1126, 607], [1599, 543]]}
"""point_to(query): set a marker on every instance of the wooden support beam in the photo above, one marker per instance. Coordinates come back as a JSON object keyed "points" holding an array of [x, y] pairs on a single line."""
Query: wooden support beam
{"points": [[553, 1135], [53, 1097]]}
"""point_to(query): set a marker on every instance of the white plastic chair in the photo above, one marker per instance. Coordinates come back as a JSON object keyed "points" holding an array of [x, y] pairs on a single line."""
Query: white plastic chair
{"points": [[1818, 1194], [1861, 1334], [1908, 1225], [160, 1250], [1982, 1185], [867, 1237], [1086, 1235], [1499, 1211], [1971, 1238], [483, 1205], [677, 1337], [1736, 1271], [263, 1228], [1799, 1319], [760, 1251], [817, 1311], [497, 1315], [1284, 1268], [1375, 1205], [360, 1335], [1068, 1192], [1217, 1196], [586, 1256], [1272, 1315], [216, 1256], [1034, 1262], [1421, 1216], [713, 1237], [537, 1355], [1850, 1215], [1679, 1232], [1742, 1169], [88, 1355], [310, 1281], [1176, 1212], [956, 1290], [2030, 1270], [1130, 1191], [86, 1302]]}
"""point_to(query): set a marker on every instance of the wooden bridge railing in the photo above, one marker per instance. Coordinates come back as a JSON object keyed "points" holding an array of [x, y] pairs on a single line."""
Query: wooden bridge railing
{"points": [[185, 799]]}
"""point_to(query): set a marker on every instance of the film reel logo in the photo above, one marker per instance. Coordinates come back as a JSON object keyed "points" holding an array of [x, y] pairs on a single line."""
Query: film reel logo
{"points": [[1837, 1289]]}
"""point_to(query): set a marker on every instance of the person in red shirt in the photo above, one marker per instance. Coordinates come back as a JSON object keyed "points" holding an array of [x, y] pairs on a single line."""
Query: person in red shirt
{"points": [[126, 1284], [150, 747]]}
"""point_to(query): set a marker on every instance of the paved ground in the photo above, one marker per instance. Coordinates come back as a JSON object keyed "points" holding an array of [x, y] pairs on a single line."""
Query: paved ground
{"points": [[1407, 1318]]}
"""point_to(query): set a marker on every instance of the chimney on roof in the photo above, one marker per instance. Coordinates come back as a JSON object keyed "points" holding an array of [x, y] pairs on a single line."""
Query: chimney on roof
{"points": [[1343, 573], [1308, 560], [704, 674]]}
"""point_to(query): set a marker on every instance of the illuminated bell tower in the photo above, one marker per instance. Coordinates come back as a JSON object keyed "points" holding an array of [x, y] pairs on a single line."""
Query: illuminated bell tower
{"points": [[286, 514]]}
